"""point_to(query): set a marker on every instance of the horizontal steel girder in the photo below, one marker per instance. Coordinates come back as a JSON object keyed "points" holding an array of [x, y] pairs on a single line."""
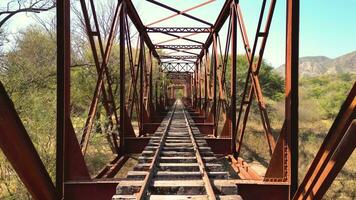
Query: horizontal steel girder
{"points": [[178, 30], [179, 57], [178, 46], [177, 67], [186, 76]]}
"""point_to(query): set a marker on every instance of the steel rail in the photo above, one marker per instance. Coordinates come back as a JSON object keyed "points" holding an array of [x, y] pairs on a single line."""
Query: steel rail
{"points": [[151, 170], [207, 184]]}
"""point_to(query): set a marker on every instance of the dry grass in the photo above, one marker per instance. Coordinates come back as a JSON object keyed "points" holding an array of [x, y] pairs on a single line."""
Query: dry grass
{"points": [[311, 135]]}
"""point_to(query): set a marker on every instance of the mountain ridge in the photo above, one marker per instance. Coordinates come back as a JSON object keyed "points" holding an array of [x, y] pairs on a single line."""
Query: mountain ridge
{"points": [[312, 66]]}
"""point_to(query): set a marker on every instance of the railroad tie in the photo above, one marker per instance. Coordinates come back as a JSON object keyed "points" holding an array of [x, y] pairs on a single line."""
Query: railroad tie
{"points": [[176, 164]]}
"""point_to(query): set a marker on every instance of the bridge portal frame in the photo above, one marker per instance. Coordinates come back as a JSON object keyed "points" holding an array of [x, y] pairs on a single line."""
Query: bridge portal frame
{"points": [[72, 177], [287, 177]]}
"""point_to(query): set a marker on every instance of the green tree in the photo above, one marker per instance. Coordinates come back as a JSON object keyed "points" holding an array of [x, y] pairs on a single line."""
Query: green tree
{"points": [[30, 79], [272, 84]]}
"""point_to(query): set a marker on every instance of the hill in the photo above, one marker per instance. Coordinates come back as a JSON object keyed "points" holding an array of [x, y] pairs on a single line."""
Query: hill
{"points": [[312, 66]]}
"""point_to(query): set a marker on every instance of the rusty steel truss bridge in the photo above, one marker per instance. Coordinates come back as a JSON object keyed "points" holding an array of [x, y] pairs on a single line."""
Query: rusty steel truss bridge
{"points": [[181, 142]]}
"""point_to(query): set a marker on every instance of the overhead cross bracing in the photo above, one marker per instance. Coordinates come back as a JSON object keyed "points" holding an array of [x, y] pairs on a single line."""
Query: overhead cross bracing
{"points": [[177, 67], [180, 37]]}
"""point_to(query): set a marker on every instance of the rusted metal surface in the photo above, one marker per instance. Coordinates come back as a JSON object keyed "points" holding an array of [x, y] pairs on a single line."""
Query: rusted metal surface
{"points": [[75, 166], [178, 57], [284, 161], [141, 80], [252, 74], [122, 78], [21, 153], [111, 169], [243, 169], [90, 189], [233, 75], [63, 89], [259, 190], [172, 67], [292, 92], [102, 70]]}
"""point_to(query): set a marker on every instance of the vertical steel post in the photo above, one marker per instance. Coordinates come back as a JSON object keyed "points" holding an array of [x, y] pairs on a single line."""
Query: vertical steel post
{"points": [[199, 82], [195, 91], [141, 65], [214, 56], [150, 97], [205, 83], [122, 76], [156, 92], [291, 89], [63, 88], [233, 77]]}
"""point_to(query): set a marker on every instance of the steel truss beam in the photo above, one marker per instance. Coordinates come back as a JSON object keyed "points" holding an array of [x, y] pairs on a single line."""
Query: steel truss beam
{"points": [[224, 14], [178, 30], [103, 74], [63, 92], [179, 57], [179, 75], [178, 46], [136, 20], [177, 67], [253, 70]]}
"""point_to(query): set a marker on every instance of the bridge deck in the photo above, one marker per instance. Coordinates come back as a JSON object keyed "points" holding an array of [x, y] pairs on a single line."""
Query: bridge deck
{"points": [[177, 163]]}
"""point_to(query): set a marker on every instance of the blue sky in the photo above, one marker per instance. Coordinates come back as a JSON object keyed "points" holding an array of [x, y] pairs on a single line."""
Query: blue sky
{"points": [[327, 28]]}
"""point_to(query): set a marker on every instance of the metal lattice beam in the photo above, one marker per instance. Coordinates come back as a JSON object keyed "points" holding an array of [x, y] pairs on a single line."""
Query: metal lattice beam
{"points": [[179, 57], [178, 46], [177, 67], [178, 30]]}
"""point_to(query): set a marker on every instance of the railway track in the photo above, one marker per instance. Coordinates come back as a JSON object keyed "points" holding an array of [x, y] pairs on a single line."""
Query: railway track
{"points": [[176, 164]]}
